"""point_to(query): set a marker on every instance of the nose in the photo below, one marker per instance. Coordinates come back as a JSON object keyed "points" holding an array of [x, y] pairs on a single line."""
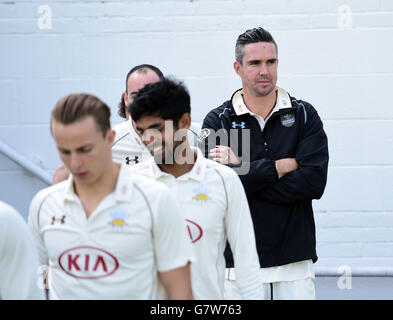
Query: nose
{"points": [[263, 69], [76, 162], [149, 136]]}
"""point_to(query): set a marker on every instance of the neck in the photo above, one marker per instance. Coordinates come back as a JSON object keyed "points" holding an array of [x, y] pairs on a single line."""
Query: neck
{"points": [[178, 168], [101, 187], [260, 105]]}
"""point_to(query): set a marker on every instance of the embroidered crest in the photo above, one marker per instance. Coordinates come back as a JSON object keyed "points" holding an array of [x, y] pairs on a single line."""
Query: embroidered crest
{"points": [[118, 221], [287, 120], [201, 194]]}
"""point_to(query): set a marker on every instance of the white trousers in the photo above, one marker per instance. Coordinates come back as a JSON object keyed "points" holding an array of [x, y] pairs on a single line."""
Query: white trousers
{"points": [[285, 290]]}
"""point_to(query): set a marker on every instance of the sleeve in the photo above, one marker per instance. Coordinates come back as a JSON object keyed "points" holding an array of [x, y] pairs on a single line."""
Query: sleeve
{"points": [[172, 245], [18, 260], [33, 222], [261, 173], [254, 175], [211, 122], [309, 181], [241, 237]]}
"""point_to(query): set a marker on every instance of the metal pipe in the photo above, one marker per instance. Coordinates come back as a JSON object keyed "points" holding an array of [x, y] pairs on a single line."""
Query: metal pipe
{"points": [[354, 272], [25, 163]]}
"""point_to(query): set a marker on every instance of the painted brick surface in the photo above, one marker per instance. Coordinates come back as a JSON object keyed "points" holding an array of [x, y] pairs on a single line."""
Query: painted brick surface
{"points": [[334, 54]]}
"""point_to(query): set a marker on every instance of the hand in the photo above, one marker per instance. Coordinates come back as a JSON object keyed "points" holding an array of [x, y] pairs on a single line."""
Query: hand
{"points": [[285, 166], [223, 155], [60, 174]]}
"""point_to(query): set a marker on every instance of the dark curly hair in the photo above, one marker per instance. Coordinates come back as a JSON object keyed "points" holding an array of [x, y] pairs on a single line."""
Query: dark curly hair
{"points": [[168, 99]]}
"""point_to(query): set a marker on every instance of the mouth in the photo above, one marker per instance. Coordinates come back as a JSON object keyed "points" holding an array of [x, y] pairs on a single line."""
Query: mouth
{"points": [[264, 81], [80, 175], [155, 148]]}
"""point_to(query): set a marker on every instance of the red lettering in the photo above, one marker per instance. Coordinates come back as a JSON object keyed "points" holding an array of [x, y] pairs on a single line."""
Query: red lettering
{"points": [[87, 262], [72, 262], [197, 230], [189, 232], [87, 258], [100, 260]]}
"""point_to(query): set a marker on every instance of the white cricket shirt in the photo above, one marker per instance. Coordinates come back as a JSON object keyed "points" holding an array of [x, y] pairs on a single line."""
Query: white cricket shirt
{"points": [[115, 253], [215, 208], [18, 258], [128, 147]]}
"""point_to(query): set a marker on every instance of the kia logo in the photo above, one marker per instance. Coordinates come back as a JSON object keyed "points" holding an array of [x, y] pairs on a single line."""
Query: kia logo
{"points": [[194, 230], [87, 262]]}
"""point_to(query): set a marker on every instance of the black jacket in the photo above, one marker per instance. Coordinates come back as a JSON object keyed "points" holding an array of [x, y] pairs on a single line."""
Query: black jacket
{"points": [[281, 208]]}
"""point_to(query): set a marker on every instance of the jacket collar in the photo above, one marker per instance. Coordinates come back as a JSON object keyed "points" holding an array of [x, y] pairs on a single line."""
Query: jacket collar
{"points": [[240, 108]]}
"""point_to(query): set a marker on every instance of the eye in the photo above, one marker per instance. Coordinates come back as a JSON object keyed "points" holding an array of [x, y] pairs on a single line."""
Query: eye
{"points": [[85, 150], [64, 152]]}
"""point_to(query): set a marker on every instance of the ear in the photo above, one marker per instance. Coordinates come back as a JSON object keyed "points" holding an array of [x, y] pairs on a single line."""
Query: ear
{"points": [[237, 66], [110, 136], [125, 98], [185, 121]]}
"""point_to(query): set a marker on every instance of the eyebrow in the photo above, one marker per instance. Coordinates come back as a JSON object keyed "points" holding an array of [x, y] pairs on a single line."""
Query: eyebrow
{"points": [[78, 149], [153, 126], [258, 61]]}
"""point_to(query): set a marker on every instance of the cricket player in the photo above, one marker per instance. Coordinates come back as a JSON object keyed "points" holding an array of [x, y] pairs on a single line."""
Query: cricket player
{"points": [[105, 233], [127, 147], [18, 258], [210, 194]]}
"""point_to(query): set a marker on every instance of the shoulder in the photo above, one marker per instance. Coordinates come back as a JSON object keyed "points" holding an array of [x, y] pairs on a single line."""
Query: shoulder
{"points": [[53, 193], [8, 214], [121, 131], [120, 128], [220, 111], [303, 106], [228, 174], [141, 168], [146, 185], [12, 224]]}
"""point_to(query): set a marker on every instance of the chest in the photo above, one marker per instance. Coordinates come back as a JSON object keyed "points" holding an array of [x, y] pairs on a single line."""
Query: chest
{"points": [[252, 137], [203, 205], [96, 246]]}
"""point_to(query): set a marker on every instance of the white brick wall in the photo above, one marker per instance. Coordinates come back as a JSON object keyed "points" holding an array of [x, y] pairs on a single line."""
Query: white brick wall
{"points": [[346, 73]]}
